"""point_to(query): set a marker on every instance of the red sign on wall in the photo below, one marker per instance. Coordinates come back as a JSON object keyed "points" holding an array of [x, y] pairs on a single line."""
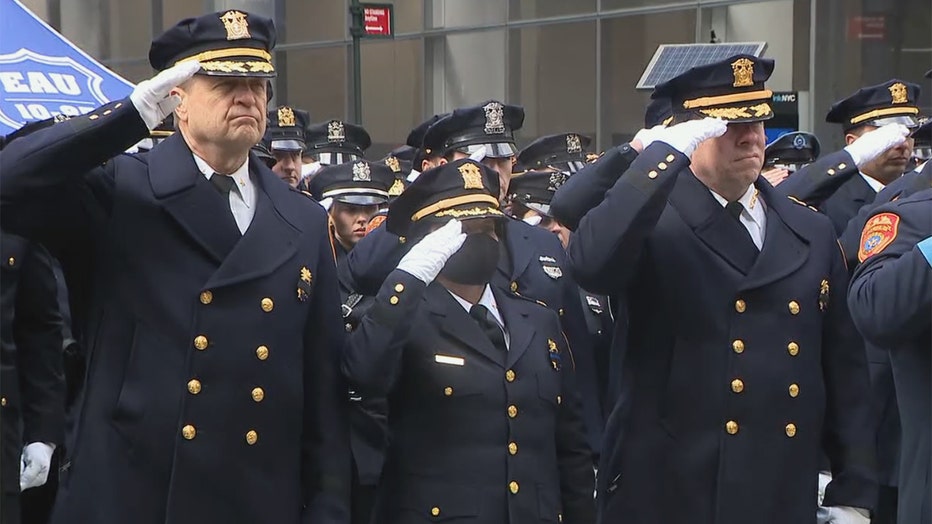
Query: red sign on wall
{"points": [[377, 20], [867, 27]]}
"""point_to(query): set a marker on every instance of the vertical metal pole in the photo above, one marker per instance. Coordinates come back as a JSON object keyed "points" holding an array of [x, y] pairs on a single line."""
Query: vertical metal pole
{"points": [[356, 30]]}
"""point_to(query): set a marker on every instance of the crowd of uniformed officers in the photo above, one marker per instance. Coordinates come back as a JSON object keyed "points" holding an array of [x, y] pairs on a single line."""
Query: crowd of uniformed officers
{"points": [[262, 325]]}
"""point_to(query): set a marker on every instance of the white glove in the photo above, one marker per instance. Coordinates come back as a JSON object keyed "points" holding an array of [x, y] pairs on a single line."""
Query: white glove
{"points": [[837, 514], [872, 144], [151, 97], [646, 137], [685, 137], [34, 466], [425, 260], [478, 155], [326, 203]]}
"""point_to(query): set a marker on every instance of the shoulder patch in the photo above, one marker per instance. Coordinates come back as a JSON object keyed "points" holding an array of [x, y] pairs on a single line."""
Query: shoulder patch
{"points": [[800, 202], [375, 222], [878, 233]]}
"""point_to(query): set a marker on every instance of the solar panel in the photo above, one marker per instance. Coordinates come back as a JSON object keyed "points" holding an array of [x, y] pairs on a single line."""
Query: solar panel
{"points": [[672, 59]]}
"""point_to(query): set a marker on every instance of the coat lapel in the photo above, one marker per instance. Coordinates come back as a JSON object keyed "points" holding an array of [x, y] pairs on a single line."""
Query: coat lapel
{"points": [[456, 322], [712, 224], [188, 197], [270, 239], [519, 250], [520, 332], [786, 246]]}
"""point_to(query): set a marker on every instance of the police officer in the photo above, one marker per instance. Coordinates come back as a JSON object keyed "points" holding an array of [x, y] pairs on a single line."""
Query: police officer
{"points": [[530, 194], [209, 295], [890, 299], [787, 153], [532, 263], [401, 161], [332, 143], [284, 137], [564, 151], [484, 423], [738, 366]]}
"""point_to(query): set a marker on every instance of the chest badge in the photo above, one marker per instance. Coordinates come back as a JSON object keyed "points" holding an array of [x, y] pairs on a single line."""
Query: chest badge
{"points": [[823, 295], [556, 360]]}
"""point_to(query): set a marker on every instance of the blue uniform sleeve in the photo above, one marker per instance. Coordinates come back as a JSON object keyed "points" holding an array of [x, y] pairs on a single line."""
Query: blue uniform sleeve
{"points": [[814, 183], [372, 259], [605, 249], [585, 189]]}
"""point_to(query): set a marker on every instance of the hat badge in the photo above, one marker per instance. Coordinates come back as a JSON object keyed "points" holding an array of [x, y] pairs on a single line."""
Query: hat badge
{"points": [[743, 70], [335, 131], [392, 163], [361, 172], [397, 188], [799, 142], [572, 144], [472, 177], [557, 179], [285, 117], [236, 25], [898, 93], [494, 115]]}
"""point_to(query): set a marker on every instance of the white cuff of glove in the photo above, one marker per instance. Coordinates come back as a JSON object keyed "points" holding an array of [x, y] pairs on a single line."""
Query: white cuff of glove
{"points": [[34, 465]]}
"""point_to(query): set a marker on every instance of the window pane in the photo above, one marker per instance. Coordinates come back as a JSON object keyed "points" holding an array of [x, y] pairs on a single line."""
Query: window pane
{"points": [[392, 91], [622, 4], [465, 69], [174, 11], [628, 43], [409, 15], [314, 80], [530, 9], [552, 73], [460, 13], [315, 21]]}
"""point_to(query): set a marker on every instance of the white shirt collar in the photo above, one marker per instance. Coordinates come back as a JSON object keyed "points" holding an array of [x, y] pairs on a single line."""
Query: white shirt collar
{"points": [[240, 176], [875, 184], [487, 299]]}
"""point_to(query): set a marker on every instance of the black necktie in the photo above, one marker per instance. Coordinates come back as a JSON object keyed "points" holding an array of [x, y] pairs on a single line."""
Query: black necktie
{"points": [[489, 325], [734, 209], [223, 183]]}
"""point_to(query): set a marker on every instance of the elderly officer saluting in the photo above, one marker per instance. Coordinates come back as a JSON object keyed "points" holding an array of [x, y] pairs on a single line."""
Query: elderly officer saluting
{"points": [[208, 292], [738, 368]]}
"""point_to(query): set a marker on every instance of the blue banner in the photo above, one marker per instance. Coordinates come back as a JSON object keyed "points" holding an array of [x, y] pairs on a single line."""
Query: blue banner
{"points": [[42, 74]]}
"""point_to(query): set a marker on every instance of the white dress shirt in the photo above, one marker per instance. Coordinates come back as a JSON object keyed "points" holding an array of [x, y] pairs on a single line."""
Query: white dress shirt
{"points": [[876, 185], [754, 215], [488, 300], [243, 199]]}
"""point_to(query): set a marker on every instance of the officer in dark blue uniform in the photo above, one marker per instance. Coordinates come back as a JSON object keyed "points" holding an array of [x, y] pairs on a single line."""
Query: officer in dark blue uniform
{"points": [[532, 262], [332, 143], [566, 152], [284, 137], [401, 161], [208, 295], [891, 300], [530, 194], [484, 423], [738, 367], [787, 154]]}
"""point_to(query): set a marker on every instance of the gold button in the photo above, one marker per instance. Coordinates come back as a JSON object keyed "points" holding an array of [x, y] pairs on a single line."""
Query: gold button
{"points": [[652, 174], [793, 348], [791, 430], [512, 411], [559, 517], [737, 385], [262, 352], [267, 305], [794, 390], [435, 511], [448, 391], [510, 375], [251, 437], [514, 287], [393, 300], [188, 432], [513, 448], [2, 401], [731, 427], [399, 288], [560, 312], [200, 342], [559, 399], [206, 297], [741, 306], [794, 307], [842, 165], [402, 240], [118, 105], [662, 166], [107, 112], [93, 117], [194, 386], [11, 261], [513, 487], [738, 346], [670, 158], [830, 172], [258, 394]]}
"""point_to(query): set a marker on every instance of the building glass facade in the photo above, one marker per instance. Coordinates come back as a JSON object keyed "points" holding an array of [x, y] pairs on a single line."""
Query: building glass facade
{"points": [[572, 64]]}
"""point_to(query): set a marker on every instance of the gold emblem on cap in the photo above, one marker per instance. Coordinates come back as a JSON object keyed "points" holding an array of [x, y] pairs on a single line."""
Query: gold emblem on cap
{"points": [[494, 115], [743, 69], [397, 188], [472, 177], [236, 25], [898, 93], [573, 144], [285, 117], [335, 131], [361, 172], [392, 163]]}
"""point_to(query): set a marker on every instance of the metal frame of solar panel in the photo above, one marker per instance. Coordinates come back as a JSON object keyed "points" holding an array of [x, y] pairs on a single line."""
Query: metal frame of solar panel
{"points": [[672, 59]]}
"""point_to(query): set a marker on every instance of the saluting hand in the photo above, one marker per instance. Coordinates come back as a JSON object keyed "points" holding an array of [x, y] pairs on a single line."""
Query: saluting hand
{"points": [[152, 97], [427, 257], [872, 144], [685, 137]]}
